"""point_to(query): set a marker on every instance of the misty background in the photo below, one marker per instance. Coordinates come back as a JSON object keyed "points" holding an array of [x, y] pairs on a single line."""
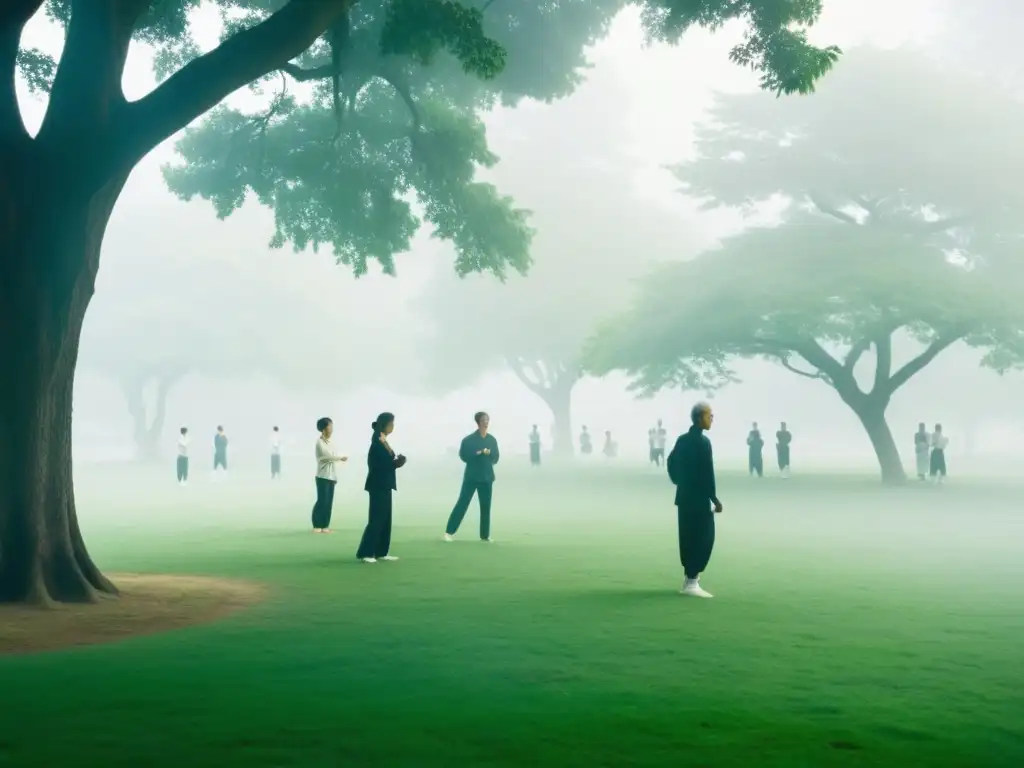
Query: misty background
{"points": [[242, 335]]}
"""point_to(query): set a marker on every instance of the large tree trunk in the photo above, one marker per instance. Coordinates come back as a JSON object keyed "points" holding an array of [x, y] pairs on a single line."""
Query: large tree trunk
{"points": [[48, 262], [559, 400], [888, 454]]}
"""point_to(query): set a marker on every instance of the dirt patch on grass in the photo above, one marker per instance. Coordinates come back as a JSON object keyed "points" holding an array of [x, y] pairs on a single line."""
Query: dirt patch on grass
{"points": [[148, 604]]}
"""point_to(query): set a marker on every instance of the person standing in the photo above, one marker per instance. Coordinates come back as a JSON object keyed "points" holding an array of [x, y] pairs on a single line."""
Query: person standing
{"points": [[782, 440], [479, 451], [586, 444], [691, 468], [182, 465], [650, 445], [611, 448], [381, 464], [326, 476], [275, 453], [535, 447], [660, 438], [937, 465], [922, 451], [755, 448], [220, 450]]}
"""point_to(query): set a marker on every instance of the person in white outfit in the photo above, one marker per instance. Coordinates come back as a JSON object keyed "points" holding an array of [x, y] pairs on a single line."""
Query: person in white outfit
{"points": [[937, 468], [922, 450], [182, 464]]}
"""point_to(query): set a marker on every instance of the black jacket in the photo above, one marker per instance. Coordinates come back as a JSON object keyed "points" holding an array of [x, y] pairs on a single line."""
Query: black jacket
{"points": [[381, 468], [479, 467], [692, 469]]}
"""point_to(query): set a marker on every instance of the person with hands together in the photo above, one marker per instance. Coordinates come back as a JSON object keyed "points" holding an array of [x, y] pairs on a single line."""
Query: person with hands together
{"points": [[479, 452], [381, 466]]}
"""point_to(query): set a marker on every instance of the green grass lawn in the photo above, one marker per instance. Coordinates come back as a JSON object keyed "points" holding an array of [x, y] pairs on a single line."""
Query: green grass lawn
{"points": [[851, 626]]}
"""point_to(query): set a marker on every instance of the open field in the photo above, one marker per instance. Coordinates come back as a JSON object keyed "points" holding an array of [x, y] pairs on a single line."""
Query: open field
{"points": [[852, 625]]}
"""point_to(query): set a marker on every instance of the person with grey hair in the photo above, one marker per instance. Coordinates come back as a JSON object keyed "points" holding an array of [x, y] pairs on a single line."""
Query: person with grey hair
{"points": [[691, 468]]}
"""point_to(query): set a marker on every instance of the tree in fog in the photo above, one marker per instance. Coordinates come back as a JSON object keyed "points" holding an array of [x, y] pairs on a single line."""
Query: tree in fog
{"points": [[593, 237], [889, 168], [817, 299], [392, 115]]}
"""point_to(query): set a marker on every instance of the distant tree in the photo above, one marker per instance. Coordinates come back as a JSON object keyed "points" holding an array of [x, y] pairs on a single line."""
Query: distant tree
{"points": [[816, 297], [889, 169], [328, 181], [594, 237]]}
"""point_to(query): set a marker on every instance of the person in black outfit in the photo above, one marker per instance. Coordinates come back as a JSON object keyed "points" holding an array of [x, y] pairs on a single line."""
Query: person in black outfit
{"points": [[479, 451], [220, 450], [691, 468], [381, 466], [755, 446], [782, 440]]}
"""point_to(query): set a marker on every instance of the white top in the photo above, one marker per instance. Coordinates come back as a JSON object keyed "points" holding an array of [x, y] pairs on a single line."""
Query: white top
{"points": [[535, 438], [939, 442], [325, 460], [660, 437], [275, 443], [183, 445]]}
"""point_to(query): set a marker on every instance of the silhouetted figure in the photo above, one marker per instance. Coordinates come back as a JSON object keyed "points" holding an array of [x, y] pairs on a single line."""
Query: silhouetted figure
{"points": [[755, 448], [220, 450], [937, 465], [650, 445], [692, 469], [479, 451], [782, 440], [586, 444], [182, 465], [381, 464], [922, 451], [611, 448], [660, 438], [326, 476], [275, 453], [535, 447]]}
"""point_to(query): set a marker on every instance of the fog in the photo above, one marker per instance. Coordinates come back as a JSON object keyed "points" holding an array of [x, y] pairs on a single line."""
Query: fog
{"points": [[249, 337]]}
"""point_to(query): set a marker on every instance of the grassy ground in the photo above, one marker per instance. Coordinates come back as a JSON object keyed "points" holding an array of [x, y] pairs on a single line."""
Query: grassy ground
{"points": [[851, 626]]}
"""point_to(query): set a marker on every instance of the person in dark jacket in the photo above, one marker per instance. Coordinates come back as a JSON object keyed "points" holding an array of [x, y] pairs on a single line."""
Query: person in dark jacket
{"points": [[692, 469], [381, 466], [755, 456], [479, 451]]}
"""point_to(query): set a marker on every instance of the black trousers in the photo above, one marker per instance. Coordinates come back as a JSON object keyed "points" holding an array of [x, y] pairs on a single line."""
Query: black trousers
{"points": [[376, 541], [696, 538], [324, 503], [275, 465], [220, 460], [783, 454], [937, 465], [462, 506], [756, 463], [182, 468]]}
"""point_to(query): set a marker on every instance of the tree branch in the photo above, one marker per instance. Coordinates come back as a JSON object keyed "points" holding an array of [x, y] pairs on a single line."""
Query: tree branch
{"points": [[242, 58], [883, 363], [14, 15], [856, 353], [519, 366], [322, 72], [86, 97], [783, 360], [829, 210], [904, 374]]}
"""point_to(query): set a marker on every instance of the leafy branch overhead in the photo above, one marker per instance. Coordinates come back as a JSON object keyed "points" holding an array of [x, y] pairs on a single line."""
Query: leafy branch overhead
{"points": [[389, 113]]}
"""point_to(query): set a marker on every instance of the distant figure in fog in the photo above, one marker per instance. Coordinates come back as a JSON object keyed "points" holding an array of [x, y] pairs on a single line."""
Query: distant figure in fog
{"points": [[182, 465], [755, 448], [660, 438], [922, 451], [611, 448], [937, 468], [381, 466], [326, 476], [220, 450], [650, 445], [275, 453], [586, 444], [479, 452], [535, 447], [692, 469], [782, 440]]}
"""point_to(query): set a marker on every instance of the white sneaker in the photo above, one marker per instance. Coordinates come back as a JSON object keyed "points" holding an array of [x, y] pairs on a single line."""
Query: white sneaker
{"points": [[693, 589], [449, 537], [389, 558], [487, 541], [369, 560]]}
